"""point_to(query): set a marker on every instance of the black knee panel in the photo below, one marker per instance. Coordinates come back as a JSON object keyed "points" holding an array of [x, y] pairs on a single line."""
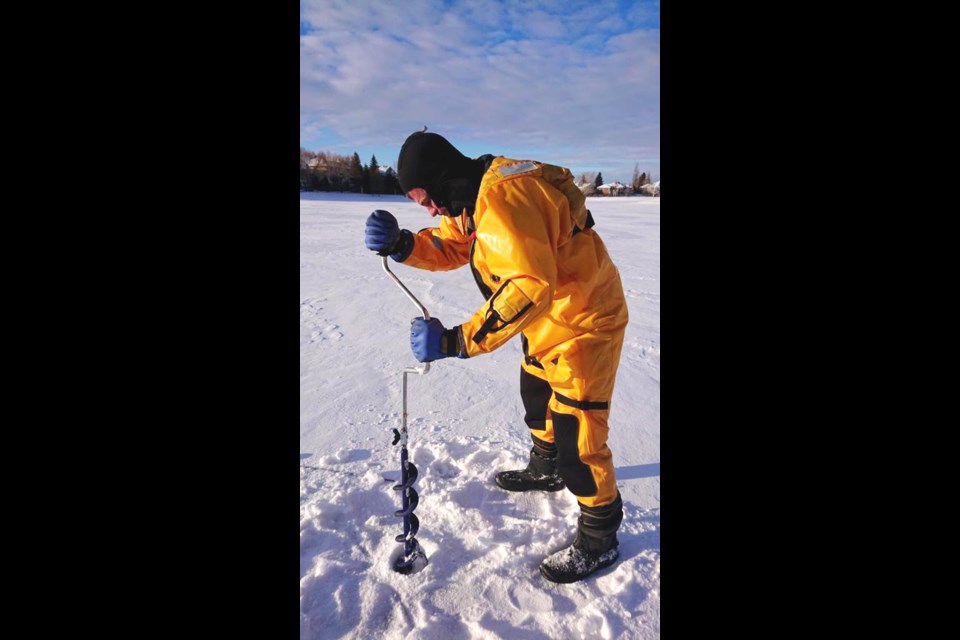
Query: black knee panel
{"points": [[576, 475], [535, 394]]}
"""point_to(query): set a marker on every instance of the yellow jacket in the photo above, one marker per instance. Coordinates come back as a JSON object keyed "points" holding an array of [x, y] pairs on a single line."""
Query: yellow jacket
{"points": [[542, 272]]}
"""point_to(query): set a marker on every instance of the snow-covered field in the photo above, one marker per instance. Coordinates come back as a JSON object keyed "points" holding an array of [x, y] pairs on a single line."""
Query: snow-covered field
{"points": [[466, 423]]}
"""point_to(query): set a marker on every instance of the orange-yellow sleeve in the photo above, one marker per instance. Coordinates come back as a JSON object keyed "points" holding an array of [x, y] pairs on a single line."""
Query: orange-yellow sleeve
{"points": [[439, 248]]}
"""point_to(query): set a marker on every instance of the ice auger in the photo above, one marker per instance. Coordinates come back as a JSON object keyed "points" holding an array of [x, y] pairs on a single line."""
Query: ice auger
{"points": [[413, 558]]}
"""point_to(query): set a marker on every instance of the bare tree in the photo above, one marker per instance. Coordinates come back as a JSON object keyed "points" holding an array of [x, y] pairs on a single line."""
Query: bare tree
{"points": [[586, 178]]}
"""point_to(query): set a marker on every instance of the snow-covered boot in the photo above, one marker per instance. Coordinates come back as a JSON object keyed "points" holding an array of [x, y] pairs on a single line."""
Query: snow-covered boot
{"points": [[541, 474], [595, 547]]}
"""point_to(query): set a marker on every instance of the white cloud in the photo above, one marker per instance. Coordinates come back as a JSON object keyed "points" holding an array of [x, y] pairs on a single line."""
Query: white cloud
{"points": [[543, 25]]}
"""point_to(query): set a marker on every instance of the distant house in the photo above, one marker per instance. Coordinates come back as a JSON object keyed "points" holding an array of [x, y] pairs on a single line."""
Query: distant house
{"points": [[615, 189], [651, 189], [317, 164]]}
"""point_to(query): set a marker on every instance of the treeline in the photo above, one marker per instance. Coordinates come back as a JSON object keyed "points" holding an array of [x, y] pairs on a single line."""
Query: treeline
{"points": [[596, 179], [327, 171]]}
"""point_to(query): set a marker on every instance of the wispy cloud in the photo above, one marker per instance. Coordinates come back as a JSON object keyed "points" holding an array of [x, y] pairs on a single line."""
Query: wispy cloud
{"points": [[572, 83]]}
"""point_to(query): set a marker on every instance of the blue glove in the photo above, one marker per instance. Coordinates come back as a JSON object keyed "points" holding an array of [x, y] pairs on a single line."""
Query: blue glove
{"points": [[430, 341], [383, 235]]}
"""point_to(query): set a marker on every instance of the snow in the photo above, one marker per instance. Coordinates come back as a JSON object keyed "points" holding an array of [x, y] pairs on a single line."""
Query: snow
{"points": [[465, 421]]}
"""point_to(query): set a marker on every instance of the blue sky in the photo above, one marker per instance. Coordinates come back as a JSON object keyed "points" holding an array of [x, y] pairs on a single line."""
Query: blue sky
{"points": [[566, 82]]}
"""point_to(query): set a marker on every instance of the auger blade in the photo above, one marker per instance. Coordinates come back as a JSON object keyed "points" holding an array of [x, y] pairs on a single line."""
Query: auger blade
{"points": [[412, 562]]}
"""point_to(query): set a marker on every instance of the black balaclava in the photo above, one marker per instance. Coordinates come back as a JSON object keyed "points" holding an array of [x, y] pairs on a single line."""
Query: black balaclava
{"points": [[428, 161]]}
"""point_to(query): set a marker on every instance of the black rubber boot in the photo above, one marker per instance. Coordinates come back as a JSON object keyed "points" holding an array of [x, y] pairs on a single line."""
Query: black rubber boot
{"points": [[595, 547], [540, 475]]}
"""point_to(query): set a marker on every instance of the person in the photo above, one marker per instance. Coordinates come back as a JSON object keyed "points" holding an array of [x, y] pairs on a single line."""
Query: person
{"points": [[524, 229]]}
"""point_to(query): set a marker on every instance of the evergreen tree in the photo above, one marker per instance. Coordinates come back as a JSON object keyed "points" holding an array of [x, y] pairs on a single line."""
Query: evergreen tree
{"points": [[390, 183], [599, 180], [374, 175], [365, 180], [356, 173]]}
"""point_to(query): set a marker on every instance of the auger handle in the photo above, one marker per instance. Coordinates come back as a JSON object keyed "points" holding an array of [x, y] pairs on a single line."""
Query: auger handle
{"points": [[423, 310]]}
